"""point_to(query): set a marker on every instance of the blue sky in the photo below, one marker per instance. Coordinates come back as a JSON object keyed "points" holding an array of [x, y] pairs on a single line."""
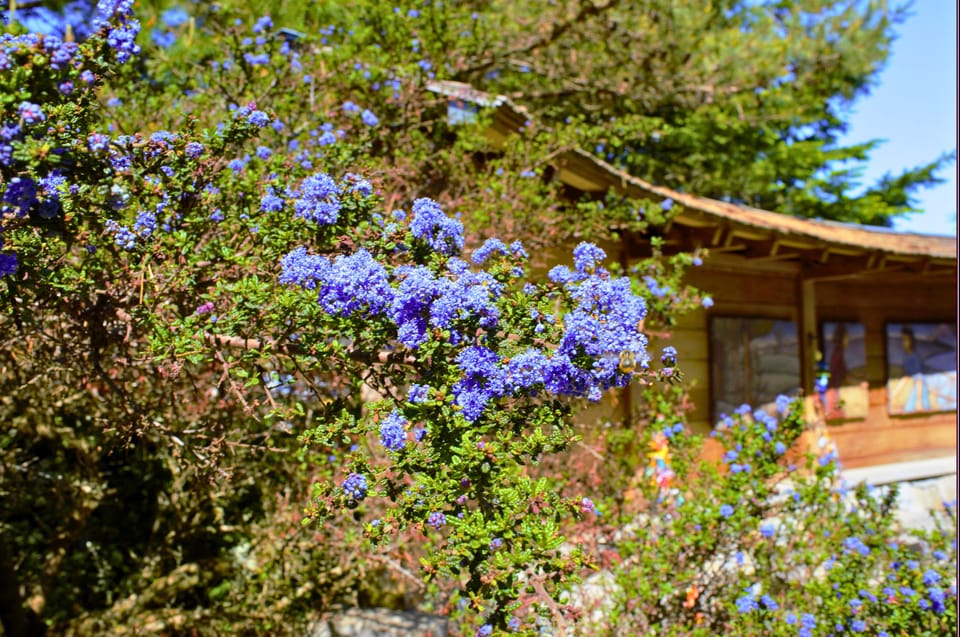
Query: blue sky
{"points": [[915, 109]]}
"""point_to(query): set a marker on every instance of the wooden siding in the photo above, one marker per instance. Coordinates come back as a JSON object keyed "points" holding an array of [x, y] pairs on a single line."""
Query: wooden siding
{"points": [[751, 288], [880, 438], [885, 439]]}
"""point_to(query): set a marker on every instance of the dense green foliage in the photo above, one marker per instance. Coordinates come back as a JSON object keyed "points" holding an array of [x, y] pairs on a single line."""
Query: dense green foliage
{"points": [[768, 542], [739, 101]]}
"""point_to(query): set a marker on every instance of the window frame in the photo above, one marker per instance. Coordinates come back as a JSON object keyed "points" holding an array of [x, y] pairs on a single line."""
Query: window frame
{"points": [[712, 353]]}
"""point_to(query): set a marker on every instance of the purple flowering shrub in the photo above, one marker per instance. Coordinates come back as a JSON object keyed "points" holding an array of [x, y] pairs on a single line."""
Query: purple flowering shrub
{"points": [[141, 479], [474, 370], [214, 298], [765, 541], [138, 362]]}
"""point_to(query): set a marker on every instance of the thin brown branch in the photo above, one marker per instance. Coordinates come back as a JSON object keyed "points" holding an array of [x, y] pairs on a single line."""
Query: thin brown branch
{"points": [[588, 10]]}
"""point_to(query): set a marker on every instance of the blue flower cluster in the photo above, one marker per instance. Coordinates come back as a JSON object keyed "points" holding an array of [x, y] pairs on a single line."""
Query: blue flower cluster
{"points": [[423, 300], [855, 545], [746, 604], [8, 134], [416, 291], [490, 247], [30, 113], [317, 199], [368, 118], [60, 55], [264, 23], [355, 283], [145, 224], [193, 150], [669, 356], [393, 434], [20, 196], [655, 288], [769, 603], [599, 347], [418, 393], [355, 184], [123, 28], [302, 269], [525, 371], [482, 380], [807, 623], [605, 322], [587, 258], [251, 115], [98, 142], [175, 17], [442, 233], [468, 295], [8, 263], [355, 486], [122, 235], [271, 201]]}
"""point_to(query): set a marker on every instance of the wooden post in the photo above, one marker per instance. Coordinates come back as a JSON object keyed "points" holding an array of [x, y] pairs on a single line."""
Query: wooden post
{"points": [[809, 346], [807, 331]]}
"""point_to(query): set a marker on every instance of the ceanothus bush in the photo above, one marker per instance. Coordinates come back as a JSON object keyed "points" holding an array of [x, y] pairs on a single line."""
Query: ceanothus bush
{"points": [[769, 541], [211, 255], [475, 369]]}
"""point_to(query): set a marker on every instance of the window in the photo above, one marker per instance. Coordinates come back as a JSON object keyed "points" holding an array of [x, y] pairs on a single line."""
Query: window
{"points": [[753, 360], [845, 356], [921, 367]]}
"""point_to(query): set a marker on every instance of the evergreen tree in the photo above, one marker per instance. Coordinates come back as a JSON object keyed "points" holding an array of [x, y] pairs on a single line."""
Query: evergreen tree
{"points": [[740, 101]]}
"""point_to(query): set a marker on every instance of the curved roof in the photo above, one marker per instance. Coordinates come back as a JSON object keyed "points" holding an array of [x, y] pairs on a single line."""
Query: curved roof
{"points": [[587, 172], [850, 235]]}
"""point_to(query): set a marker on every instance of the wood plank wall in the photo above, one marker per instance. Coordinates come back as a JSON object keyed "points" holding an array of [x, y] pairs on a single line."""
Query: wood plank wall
{"points": [[772, 290], [880, 438], [883, 438]]}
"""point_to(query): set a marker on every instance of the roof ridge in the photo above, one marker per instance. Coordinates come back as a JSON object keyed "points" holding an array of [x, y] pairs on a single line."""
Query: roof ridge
{"points": [[862, 236]]}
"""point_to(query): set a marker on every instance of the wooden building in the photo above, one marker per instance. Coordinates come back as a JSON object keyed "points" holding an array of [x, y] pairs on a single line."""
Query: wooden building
{"points": [[870, 313]]}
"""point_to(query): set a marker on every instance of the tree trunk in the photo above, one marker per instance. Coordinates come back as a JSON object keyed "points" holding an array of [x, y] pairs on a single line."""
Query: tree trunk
{"points": [[17, 620]]}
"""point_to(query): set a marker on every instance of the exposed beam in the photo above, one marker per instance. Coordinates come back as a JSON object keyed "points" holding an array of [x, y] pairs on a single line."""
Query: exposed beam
{"points": [[717, 235], [783, 256], [736, 247], [694, 221], [932, 272], [840, 273]]}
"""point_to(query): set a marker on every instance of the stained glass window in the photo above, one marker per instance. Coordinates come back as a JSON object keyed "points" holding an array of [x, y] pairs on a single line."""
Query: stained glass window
{"points": [[845, 354], [921, 367]]}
